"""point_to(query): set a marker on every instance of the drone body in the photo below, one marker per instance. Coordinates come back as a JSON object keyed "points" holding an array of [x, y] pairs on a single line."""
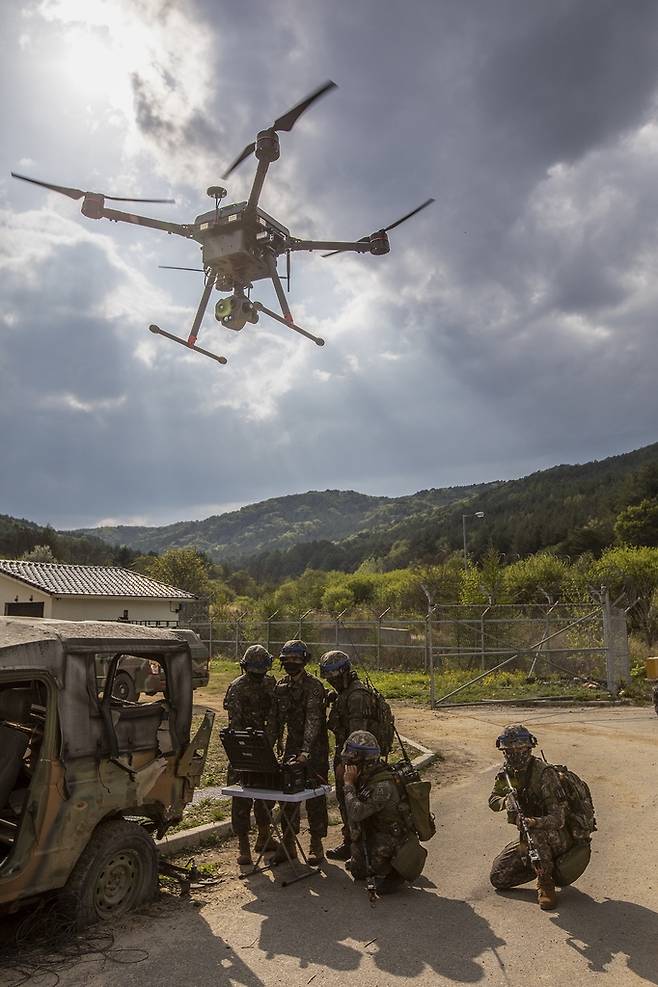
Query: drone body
{"points": [[240, 243]]}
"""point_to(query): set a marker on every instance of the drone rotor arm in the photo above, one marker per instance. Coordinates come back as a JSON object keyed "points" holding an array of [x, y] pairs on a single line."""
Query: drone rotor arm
{"points": [[257, 187], [117, 216], [336, 246]]}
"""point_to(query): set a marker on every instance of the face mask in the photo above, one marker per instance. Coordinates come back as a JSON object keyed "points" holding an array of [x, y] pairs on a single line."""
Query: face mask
{"points": [[336, 681], [517, 760], [256, 676], [292, 667]]}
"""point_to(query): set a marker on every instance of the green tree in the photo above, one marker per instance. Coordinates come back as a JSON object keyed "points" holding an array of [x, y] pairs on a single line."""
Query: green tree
{"points": [[638, 524], [183, 568], [633, 573], [40, 553], [541, 578]]}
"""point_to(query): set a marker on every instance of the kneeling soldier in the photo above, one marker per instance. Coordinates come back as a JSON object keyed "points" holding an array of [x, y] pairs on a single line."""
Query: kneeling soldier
{"points": [[383, 839], [249, 701], [536, 790]]}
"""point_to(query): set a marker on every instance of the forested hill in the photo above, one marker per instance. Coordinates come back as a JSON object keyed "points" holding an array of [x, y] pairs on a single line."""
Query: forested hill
{"points": [[19, 536], [571, 509], [282, 522]]}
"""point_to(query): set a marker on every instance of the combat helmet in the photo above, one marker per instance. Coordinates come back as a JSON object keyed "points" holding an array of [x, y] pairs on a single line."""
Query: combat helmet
{"points": [[333, 663], [516, 735], [360, 746], [296, 650], [516, 743], [256, 659]]}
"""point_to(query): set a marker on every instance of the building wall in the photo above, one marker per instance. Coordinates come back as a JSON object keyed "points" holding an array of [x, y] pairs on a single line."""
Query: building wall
{"points": [[87, 607], [13, 591], [104, 608]]}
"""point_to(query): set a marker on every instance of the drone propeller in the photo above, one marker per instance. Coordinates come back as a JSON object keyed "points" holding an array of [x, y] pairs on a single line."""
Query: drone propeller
{"points": [[284, 122], [77, 193], [168, 267], [387, 229]]}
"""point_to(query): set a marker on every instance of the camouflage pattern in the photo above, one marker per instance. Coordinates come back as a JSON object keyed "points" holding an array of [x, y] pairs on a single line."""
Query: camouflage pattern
{"points": [[378, 817], [249, 703], [302, 728], [90, 758], [541, 799], [350, 711]]}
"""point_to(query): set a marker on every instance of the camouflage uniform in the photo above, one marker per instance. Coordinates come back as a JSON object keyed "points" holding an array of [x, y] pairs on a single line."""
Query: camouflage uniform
{"points": [[250, 703], [301, 714], [541, 797], [377, 817], [351, 710]]}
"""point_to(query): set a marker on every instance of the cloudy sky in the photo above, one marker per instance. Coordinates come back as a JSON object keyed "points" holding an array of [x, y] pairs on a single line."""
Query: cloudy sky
{"points": [[512, 327]]}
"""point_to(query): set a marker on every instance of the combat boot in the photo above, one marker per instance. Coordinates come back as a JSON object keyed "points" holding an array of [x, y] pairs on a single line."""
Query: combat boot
{"points": [[316, 851], [341, 852], [244, 856], [546, 893], [265, 841], [288, 844]]}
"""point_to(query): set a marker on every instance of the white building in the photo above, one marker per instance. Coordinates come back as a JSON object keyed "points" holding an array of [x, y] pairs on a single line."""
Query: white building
{"points": [[86, 592]]}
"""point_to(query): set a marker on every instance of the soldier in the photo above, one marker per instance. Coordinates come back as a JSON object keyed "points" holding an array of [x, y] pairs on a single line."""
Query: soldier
{"points": [[353, 707], [543, 802], [383, 839], [249, 701], [300, 704]]}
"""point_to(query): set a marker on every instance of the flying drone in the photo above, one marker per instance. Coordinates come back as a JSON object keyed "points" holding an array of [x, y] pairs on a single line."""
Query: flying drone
{"points": [[240, 243]]}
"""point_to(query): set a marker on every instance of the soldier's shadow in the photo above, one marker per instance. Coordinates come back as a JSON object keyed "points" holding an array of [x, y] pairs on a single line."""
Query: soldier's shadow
{"points": [[327, 921], [600, 931]]}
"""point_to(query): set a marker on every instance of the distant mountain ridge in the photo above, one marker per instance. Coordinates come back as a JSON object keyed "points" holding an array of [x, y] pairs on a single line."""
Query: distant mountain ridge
{"points": [[567, 508], [282, 522]]}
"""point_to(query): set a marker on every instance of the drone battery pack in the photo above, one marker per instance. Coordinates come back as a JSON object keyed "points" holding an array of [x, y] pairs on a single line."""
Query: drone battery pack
{"points": [[249, 753]]}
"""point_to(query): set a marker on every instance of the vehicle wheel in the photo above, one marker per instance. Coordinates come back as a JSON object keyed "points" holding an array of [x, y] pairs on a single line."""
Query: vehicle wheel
{"points": [[124, 688], [117, 870]]}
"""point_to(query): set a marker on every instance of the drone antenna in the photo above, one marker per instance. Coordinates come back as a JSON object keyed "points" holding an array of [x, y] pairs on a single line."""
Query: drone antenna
{"points": [[217, 192], [288, 268]]}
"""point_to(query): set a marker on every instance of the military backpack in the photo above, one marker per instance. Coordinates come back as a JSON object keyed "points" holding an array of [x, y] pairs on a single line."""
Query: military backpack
{"points": [[581, 817], [381, 719]]}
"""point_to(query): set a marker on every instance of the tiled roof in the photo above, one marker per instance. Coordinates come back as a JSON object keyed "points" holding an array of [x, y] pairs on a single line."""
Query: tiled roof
{"points": [[89, 580]]}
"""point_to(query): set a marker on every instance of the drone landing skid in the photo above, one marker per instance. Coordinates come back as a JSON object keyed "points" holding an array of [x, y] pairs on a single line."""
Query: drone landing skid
{"points": [[289, 323], [188, 345]]}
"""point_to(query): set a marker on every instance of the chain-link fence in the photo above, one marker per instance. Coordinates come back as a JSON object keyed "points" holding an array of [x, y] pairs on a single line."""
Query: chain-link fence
{"points": [[578, 641]]}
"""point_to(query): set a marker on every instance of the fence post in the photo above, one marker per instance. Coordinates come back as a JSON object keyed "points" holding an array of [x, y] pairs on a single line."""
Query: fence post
{"points": [[301, 622], [615, 637], [482, 649], [238, 621], [339, 617], [269, 629], [378, 642]]}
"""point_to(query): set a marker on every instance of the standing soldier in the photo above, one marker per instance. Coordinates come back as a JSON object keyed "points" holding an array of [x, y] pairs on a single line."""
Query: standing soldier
{"points": [[535, 788], [354, 707], [249, 701], [300, 704], [385, 847]]}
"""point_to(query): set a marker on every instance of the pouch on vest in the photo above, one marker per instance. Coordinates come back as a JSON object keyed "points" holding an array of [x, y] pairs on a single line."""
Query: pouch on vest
{"points": [[410, 858], [418, 797], [572, 864]]}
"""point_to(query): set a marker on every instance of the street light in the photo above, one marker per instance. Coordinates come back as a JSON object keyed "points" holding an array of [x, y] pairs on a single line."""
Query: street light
{"points": [[479, 514]]}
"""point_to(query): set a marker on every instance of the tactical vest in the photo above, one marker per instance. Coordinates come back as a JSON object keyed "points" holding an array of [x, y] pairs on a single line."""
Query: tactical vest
{"points": [[395, 816]]}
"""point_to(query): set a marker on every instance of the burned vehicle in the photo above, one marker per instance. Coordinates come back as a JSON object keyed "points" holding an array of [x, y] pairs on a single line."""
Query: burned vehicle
{"points": [[87, 780]]}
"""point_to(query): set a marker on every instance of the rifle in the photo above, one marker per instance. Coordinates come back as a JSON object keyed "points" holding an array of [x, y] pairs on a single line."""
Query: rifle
{"points": [[370, 878], [533, 852]]}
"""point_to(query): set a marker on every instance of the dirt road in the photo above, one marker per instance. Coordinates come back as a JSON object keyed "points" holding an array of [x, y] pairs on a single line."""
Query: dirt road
{"points": [[452, 928]]}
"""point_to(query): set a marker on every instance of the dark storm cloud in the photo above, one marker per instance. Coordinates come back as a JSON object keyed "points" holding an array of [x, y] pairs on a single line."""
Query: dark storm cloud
{"points": [[511, 327]]}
